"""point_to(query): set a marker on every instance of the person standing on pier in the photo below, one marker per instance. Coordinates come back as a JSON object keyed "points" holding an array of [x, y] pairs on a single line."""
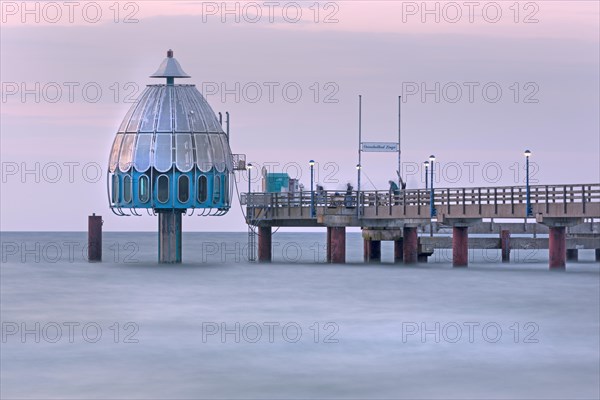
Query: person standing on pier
{"points": [[348, 200], [395, 191], [320, 195]]}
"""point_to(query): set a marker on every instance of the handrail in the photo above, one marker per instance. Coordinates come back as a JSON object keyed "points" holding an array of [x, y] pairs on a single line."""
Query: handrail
{"points": [[446, 197]]}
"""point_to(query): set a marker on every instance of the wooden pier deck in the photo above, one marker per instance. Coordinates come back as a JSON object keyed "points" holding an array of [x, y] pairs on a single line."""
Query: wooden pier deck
{"points": [[384, 215]]}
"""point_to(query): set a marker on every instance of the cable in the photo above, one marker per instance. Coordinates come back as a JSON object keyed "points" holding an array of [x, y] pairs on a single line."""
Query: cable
{"points": [[237, 190], [370, 181]]}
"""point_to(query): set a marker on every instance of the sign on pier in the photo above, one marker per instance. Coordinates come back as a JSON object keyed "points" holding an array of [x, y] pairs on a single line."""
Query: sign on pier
{"points": [[391, 147]]}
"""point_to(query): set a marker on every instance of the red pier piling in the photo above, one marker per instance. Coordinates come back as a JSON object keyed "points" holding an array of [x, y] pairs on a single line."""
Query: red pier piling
{"points": [[410, 245], [336, 244], [264, 244], [557, 247], [460, 246]]}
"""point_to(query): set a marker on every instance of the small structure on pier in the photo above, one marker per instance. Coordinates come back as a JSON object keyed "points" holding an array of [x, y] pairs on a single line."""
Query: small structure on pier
{"points": [[171, 155]]}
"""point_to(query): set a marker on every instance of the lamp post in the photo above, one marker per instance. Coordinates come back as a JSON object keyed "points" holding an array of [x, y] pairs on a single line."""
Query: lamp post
{"points": [[529, 211], [426, 165], [432, 209], [312, 190], [358, 167]]}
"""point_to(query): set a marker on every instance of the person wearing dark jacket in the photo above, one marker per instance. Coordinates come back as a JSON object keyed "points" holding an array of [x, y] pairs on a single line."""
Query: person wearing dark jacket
{"points": [[348, 200]]}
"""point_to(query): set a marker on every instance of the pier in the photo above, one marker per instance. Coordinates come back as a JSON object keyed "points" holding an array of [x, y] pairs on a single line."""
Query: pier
{"points": [[565, 213]]}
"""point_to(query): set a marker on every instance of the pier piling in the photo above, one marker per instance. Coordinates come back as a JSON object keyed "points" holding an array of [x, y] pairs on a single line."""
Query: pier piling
{"points": [[94, 238], [422, 257], [399, 250], [336, 244], [410, 245], [557, 244], [460, 246], [372, 250], [264, 244], [384, 217], [505, 244], [169, 237], [328, 247]]}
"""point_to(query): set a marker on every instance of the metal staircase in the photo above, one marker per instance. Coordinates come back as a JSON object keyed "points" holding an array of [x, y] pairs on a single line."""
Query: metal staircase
{"points": [[251, 243]]}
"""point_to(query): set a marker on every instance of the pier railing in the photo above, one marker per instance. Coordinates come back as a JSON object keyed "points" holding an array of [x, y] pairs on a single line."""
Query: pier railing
{"points": [[573, 200]]}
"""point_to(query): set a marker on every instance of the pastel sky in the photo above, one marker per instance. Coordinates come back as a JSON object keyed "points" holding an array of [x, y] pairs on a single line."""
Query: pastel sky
{"points": [[543, 56]]}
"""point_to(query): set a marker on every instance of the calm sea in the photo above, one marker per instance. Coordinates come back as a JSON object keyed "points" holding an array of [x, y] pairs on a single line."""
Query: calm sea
{"points": [[219, 327]]}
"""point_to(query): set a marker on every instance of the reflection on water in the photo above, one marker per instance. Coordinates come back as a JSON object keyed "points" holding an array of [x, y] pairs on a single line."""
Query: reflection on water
{"points": [[219, 327]]}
